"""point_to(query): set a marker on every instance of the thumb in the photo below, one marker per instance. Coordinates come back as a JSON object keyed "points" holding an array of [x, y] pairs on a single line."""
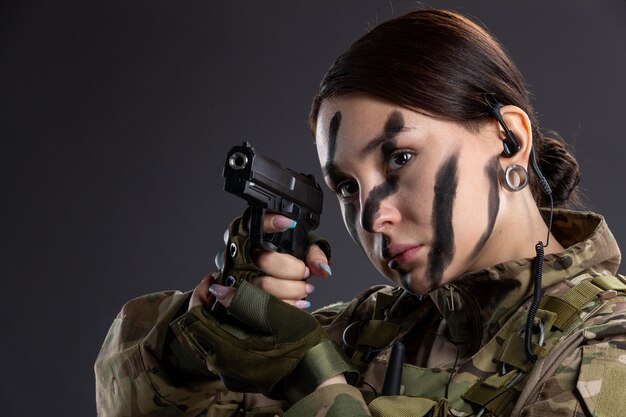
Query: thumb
{"points": [[223, 294]]}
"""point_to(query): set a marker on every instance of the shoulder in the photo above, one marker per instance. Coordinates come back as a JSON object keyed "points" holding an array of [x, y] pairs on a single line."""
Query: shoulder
{"points": [[587, 371], [149, 307], [140, 316]]}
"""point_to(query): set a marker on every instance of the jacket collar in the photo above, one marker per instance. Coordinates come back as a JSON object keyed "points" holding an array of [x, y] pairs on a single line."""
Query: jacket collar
{"points": [[482, 301]]}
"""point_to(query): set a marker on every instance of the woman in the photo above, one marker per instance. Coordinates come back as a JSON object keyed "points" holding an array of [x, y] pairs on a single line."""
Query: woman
{"points": [[425, 131]]}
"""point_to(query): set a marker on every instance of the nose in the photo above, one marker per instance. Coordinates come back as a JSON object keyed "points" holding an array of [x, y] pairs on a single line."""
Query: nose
{"points": [[379, 210]]}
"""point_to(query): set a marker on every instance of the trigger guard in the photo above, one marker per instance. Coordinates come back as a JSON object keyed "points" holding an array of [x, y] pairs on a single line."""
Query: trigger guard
{"points": [[268, 245]]}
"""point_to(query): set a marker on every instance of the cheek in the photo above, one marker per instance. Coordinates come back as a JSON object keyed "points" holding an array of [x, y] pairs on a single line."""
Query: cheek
{"points": [[369, 243], [477, 207], [415, 198], [350, 219]]}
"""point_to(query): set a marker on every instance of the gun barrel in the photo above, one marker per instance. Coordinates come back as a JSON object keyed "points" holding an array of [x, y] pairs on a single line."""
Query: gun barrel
{"points": [[260, 179]]}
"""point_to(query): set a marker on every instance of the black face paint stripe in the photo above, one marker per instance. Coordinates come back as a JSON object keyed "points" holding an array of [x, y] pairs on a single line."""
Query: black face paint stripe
{"points": [[492, 170], [372, 204], [330, 169], [387, 141], [393, 126], [442, 250], [405, 281], [349, 216]]}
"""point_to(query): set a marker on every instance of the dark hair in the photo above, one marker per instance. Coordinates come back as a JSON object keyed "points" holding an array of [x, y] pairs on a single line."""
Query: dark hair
{"points": [[441, 63]]}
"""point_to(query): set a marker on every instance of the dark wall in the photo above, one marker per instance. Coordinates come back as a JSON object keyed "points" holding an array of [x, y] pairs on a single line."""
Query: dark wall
{"points": [[116, 116]]}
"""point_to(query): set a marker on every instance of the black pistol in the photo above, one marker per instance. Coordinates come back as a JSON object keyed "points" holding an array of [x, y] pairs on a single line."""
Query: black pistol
{"points": [[266, 186]]}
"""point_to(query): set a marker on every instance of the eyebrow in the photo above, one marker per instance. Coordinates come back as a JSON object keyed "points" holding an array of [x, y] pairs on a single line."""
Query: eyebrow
{"points": [[394, 125], [334, 174]]}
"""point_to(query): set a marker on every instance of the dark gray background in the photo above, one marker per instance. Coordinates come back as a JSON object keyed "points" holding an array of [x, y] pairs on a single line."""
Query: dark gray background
{"points": [[116, 116]]}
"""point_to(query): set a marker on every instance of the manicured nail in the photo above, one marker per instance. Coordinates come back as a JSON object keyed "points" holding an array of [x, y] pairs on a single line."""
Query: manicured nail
{"points": [[303, 304], [282, 222], [307, 272], [325, 267], [309, 288], [220, 292]]}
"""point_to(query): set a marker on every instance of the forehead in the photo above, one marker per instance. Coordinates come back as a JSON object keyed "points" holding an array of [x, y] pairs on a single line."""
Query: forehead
{"points": [[348, 122]]}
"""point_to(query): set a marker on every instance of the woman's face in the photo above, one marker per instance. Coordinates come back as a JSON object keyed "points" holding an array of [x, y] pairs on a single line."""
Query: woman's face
{"points": [[420, 195]]}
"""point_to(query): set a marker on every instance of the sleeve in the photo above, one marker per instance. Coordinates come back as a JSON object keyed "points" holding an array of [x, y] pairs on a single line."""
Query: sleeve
{"points": [[143, 369], [138, 375], [339, 400], [589, 381]]}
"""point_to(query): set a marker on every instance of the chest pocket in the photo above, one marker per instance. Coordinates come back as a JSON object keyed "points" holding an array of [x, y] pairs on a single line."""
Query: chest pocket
{"points": [[403, 406], [601, 381]]}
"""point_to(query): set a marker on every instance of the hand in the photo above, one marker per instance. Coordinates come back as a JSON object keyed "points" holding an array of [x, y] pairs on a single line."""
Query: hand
{"points": [[262, 344], [274, 343], [283, 275]]}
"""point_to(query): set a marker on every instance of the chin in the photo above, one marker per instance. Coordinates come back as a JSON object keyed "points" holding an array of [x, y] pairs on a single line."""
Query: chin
{"points": [[414, 282]]}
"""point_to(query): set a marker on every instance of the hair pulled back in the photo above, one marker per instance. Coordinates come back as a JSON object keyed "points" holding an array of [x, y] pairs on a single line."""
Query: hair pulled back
{"points": [[441, 63]]}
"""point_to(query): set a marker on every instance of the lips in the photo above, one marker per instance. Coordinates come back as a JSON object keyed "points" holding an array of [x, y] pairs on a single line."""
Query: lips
{"points": [[399, 255]]}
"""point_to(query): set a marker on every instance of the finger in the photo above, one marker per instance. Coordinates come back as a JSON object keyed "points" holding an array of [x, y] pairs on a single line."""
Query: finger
{"points": [[280, 265], [275, 223], [317, 262], [283, 289], [223, 294], [201, 294], [301, 304]]}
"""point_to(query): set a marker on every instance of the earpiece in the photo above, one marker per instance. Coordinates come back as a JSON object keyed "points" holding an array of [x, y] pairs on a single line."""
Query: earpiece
{"points": [[510, 143], [511, 147]]}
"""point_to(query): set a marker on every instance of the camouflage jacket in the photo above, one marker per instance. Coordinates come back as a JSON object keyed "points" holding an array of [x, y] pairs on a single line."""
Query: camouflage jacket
{"points": [[460, 343]]}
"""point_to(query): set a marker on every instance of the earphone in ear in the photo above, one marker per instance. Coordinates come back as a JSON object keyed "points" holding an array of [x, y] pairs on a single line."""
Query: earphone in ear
{"points": [[510, 143]]}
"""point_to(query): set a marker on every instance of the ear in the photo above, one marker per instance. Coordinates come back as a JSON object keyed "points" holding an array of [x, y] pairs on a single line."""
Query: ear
{"points": [[518, 122]]}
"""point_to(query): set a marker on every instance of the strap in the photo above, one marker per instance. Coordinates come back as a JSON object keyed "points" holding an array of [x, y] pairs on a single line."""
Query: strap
{"points": [[512, 353], [568, 308], [496, 392], [609, 282], [493, 393], [323, 361]]}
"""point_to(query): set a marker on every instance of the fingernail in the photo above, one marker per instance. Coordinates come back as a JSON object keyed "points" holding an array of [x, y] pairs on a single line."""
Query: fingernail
{"points": [[325, 267], [307, 272], [220, 292], [309, 288], [303, 304], [284, 222]]}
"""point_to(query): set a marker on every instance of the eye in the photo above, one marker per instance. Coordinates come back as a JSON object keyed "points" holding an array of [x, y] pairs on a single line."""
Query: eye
{"points": [[346, 189], [399, 159]]}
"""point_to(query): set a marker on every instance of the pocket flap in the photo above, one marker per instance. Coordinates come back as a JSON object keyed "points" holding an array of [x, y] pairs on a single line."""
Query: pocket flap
{"points": [[602, 380]]}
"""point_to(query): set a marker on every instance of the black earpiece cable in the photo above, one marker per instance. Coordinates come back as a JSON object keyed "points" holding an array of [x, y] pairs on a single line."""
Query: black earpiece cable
{"points": [[511, 146], [538, 264]]}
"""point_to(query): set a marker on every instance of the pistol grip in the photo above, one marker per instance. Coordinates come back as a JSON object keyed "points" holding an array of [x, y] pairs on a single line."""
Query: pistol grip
{"points": [[292, 241]]}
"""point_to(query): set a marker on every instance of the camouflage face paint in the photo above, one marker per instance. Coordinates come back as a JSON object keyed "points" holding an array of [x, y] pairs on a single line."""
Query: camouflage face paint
{"points": [[492, 170], [387, 142], [442, 249], [372, 204], [330, 169], [349, 216], [393, 125]]}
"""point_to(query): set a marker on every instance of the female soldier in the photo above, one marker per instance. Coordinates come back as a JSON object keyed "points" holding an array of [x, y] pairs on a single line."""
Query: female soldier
{"points": [[425, 131]]}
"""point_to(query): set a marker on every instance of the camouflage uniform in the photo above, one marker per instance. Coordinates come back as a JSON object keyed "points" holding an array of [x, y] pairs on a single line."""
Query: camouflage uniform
{"points": [[460, 341]]}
